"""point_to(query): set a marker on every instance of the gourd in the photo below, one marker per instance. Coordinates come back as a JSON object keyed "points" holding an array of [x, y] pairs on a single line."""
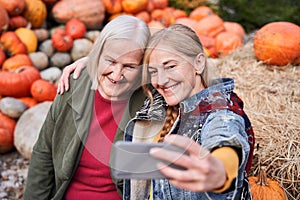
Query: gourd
{"points": [[16, 61], [75, 28], [61, 40], [12, 44], [17, 83], [28, 37], [91, 12], [7, 126], [278, 43], [134, 7], [263, 188], [42, 90], [13, 7], [35, 12]]}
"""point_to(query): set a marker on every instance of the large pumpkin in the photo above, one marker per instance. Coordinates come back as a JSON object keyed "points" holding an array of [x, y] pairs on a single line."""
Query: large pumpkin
{"points": [[12, 44], [7, 127], [42, 90], [278, 43], [263, 188], [4, 20], [35, 12], [17, 83], [91, 12], [13, 7]]}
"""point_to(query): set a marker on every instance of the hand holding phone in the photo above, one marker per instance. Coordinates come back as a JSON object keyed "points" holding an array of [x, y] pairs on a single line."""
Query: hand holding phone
{"points": [[133, 161]]}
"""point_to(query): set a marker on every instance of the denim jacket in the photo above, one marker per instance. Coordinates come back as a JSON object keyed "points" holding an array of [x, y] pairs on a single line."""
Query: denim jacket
{"points": [[207, 118]]}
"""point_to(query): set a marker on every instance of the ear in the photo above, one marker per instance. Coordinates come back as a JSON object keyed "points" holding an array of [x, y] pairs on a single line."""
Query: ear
{"points": [[200, 63]]}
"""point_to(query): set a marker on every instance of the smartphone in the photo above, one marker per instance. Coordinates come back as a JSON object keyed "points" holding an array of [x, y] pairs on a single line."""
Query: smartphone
{"points": [[133, 161]]}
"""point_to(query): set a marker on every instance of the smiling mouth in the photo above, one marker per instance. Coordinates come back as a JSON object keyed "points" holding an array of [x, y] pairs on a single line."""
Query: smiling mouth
{"points": [[169, 88], [113, 81]]}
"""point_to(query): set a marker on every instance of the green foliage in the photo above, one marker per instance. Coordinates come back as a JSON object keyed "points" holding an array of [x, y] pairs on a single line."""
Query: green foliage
{"points": [[253, 14]]}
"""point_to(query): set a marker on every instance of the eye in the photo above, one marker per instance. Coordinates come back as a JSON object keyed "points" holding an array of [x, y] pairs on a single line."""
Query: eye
{"points": [[170, 66], [130, 66], [110, 61], [152, 72]]}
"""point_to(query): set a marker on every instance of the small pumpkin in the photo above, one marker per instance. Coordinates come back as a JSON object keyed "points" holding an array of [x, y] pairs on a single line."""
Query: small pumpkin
{"points": [[263, 188], [75, 28], [134, 7], [163, 16], [13, 7], [235, 28], [61, 40], [211, 25], [17, 83], [226, 42], [28, 37], [12, 44], [278, 43], [112, 6], [17, 22], [200, 13], [35, 12], [7, 127], [91, 12], [159, 4], [42, 90], [4, 20], [16, 61], [144, 15]]}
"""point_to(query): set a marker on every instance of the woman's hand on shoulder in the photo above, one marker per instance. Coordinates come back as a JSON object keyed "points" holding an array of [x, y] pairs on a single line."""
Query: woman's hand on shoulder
{"points": [[203, 171], [76, 67]]}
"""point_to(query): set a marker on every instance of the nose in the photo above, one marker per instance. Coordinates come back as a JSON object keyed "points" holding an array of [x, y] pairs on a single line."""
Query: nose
{"points": [[162, 77], [117, 72]]}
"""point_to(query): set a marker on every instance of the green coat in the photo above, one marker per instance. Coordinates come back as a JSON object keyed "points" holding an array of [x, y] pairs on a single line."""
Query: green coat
{"points": [[58, 149]]}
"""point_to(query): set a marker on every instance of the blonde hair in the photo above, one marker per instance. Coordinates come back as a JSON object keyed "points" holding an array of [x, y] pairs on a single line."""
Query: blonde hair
{"points": [[122, 27], [184, 40]]}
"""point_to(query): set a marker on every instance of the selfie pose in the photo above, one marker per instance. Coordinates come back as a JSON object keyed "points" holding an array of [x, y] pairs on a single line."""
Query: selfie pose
{"points": [[70, 159], [188, 108]]}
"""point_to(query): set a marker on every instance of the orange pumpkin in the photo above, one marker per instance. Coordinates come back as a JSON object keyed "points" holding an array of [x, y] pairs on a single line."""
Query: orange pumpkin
{"points": [[16, 61], [35, 12], [278, 43], [28, 101], [159, 4], [187, 22], [13, 7], [112, 6], [4, 20], [134, 7], [226, 42], [75, 28], [42, 90], [7, 127], [263, 188], [91, 12], [144, 15], [28, 37], [201, 12], [155, 26], [178, 13], [12, 44], [17, 83], [165, 16], [61, 40], [211, 25], [17, 22], [235, 28]]}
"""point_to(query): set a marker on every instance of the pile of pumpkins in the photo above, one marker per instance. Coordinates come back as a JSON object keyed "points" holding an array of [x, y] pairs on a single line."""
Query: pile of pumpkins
{"points": [[32, 55]]}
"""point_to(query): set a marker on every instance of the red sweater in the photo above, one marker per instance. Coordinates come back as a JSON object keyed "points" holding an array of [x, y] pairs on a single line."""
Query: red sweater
{"points": [[92, 178]]}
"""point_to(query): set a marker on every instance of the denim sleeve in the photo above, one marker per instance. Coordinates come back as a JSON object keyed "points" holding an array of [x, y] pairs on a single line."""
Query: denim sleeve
{"points": [[225, 128]]}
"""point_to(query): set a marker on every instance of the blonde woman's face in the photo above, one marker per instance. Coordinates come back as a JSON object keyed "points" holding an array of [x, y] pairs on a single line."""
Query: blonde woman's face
{"points": [[120, 69], [173, 74]]}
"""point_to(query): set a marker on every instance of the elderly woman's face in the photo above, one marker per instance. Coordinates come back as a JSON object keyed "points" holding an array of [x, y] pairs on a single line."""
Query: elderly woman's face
{"points": [[120, 62]]}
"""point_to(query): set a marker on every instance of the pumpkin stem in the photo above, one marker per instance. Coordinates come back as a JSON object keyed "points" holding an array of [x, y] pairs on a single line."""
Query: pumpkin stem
{"points": [[262, 177]]}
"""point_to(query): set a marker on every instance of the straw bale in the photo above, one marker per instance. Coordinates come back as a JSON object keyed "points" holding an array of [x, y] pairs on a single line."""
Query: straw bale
{"points": [[272, 101]]}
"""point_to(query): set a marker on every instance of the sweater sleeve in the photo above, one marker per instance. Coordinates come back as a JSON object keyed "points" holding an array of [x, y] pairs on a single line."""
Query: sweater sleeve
{"points": [[230, 159]]}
